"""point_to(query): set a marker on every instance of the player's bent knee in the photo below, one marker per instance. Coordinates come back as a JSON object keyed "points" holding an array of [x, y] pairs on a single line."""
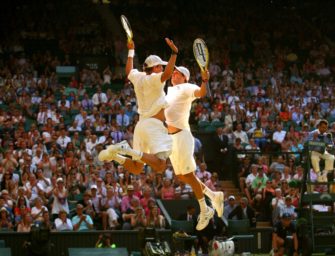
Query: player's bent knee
{"points": [[181, 177], [161, 166], [161, 163], [189, 176]]}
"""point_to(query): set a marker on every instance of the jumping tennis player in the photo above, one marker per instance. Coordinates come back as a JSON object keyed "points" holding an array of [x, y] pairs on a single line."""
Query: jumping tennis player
{"points": [[151, 144], [180, 97]]}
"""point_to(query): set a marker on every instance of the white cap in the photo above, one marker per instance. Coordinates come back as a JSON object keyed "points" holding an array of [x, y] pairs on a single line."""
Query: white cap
{"points": [[59, 180], [184, 71], [258, 196], [3, 209], [94, 186], [231, 197], [153, 60]]}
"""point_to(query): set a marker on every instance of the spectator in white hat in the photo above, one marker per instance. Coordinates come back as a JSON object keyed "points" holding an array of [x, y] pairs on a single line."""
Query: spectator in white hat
{"points": [[60, 195], [230, 205], [125, 202]]}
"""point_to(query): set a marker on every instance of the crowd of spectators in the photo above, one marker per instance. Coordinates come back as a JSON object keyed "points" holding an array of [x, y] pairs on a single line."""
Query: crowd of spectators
{"points": [[271, 83]]}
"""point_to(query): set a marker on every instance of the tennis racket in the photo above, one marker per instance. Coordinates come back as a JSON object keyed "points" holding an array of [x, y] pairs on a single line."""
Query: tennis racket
{"points": [[126, 26], [201, 55]]}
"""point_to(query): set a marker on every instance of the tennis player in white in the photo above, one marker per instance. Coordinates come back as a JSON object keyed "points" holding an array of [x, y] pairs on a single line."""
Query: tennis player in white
{"points": [[151, 144], [180, 97]]}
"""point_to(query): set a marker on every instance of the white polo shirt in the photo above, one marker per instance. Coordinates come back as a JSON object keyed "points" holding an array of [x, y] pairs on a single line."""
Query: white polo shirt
{"points": [[179, 98], [279, 136], [149, 92]]}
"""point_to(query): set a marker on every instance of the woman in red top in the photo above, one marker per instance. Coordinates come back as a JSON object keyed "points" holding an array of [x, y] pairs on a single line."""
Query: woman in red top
{"points": [[20, 209], [285, 114], [218, 105]]}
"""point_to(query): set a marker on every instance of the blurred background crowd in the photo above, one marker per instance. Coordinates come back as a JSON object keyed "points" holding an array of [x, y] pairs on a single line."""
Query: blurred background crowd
{"points": [[272, 67]]}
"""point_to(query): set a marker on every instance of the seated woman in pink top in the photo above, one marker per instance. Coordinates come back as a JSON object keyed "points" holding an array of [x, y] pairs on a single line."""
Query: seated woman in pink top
{"points": [[167, 192]]}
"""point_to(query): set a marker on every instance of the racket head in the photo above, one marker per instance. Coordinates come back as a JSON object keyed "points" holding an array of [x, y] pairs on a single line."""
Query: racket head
{"points": [[127, 28], [201, 53]]}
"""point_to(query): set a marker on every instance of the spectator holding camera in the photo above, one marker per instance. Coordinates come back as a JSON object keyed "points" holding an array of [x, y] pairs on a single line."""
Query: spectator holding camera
{"points": [[62, 223], [38, 209], [138, 220], [81, 221]]}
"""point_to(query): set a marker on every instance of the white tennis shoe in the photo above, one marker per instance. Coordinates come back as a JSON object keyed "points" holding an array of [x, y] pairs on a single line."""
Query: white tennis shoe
{"points": [[204, 218], [106, 155], [217, 203], [122, 148]]}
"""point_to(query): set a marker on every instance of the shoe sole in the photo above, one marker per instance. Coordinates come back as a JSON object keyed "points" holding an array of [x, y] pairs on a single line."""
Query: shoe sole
{"points": [[209, 218], [221, 210]]}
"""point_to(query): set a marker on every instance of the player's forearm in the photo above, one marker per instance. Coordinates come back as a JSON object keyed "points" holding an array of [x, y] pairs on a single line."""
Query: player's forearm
{"points": [[169, 68], [204, 84], [130, 62], [203, 89]]}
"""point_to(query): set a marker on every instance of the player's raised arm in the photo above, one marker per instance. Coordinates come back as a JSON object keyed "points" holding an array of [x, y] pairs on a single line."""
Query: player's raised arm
{"points": [[131, 54], [172, 61], [203, 88]]}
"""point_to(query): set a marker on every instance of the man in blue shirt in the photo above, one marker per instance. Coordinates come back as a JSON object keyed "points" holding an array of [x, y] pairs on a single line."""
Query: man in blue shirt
{"points": [[81, 221]]}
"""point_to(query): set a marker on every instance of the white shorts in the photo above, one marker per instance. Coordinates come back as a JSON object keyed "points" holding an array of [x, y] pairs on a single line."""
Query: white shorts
{"points": [[151, 136], [182, 153]]}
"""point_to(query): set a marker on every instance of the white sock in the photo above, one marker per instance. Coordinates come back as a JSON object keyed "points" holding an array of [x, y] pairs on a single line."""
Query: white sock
{"points": [[209, 193], [120, 159], [202, 204], [135, 154]]}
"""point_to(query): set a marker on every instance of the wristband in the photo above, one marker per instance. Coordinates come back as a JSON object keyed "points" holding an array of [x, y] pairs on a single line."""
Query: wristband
{"points": [[204, 81], [131, 53]]}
